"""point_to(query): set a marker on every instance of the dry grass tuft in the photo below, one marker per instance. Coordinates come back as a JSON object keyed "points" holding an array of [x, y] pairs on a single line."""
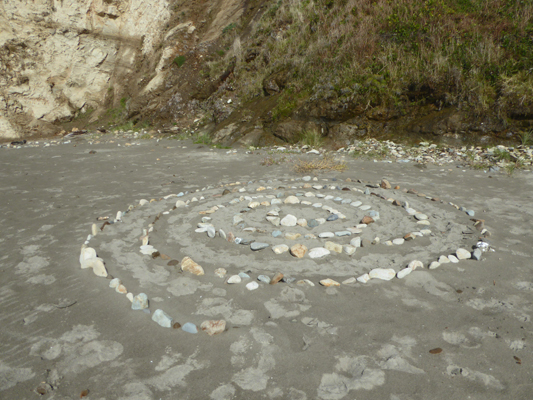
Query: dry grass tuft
{"points": [[326, 163]]}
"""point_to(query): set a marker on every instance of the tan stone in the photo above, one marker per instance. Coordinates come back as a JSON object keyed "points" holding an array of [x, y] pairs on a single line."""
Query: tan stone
{"points": [[278, 277], [409, 236], [385, 184], [329, 282], [367, 220], [332, 246], [298, 250], [187, 264], [292, 235]]}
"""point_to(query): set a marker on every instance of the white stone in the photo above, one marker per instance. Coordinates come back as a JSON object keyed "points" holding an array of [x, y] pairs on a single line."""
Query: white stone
{"points": [[425, 232], [363, 278], [420, 216], [415, 264], [398, 241], [234, 279], [280, 248], [113, 283], [463, 254], [385, 274], [404, 272], [254, 204], [148, 249], [86, 253], [292, 200], [252, 285], [453, 259], [356, 242], [94, 230], [356, 204], [321, 220], [318, 252], [309, 194], [129, 296], [97, 264], [349, 281], [180, 203], [349, 249], [289, 220], [424, 222], [326, 235], [118, 216], [142, 202], [434, 265], [444, 260], [274, 220]]}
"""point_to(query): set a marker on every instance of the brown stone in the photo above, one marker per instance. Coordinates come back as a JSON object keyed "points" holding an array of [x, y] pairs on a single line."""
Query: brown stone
{"points": [[230, 237], [212, 327], [225, 192], [396, 203], [176, 325], [409, 236], [187, 264], [385, 184], [435, 199], [164, 257], [412, 191], [173, 262], [367, 220], [348, 180], [298, 250], [397, 187], [278, 277]]}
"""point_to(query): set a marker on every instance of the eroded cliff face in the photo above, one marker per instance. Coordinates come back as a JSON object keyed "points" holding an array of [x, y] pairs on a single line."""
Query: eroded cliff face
{"points": [[62, 57]]}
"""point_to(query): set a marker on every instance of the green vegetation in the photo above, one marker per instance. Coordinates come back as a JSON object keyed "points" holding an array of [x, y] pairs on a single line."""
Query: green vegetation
{"points": [[476, 55], [179, 61], [525, 137], [311, 138], [501, 155], [203, 139]]}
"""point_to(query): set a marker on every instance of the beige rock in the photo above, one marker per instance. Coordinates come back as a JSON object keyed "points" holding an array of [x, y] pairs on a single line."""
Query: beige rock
{"points": [[292, 235], [415, 264], [94, 229], [332, 246], [434, 265], [278, 277], [409, 236], [254, 204], [213, 327], [349, 249], [280, 248], [122, 289], [385, 274], [367, 220], [187, 264], [363, 278], [220, 272], [129, 296], [444, 260], [403, 273], [463, 254], [301, 222], [329, 282], [349, 281], [234, 279], [385, 184], [85, 254], [305, 282], [292, 200], [298, 250]]}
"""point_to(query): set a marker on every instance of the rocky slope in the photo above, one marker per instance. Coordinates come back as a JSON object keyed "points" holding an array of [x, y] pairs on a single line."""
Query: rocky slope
{"points": [[263, 72]]}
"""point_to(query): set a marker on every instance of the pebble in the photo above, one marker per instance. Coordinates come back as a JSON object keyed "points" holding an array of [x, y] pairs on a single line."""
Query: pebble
{"points": [[301, 222], [256, 246], [277, 277], [332, 246], [312, 223], [222, 234], [476, 254], [254, 204], [318, 252], [237, 219], [403, 273], [329, 282], [310, 236], [140, 302], [415, 264], [187, 264], [280, 248], [356, 242], [213, 327], [321, 220], [292, 235], [463, 254], [385, 184], [356, 203], [434, 265], [148, 249], [129, 296], [234, 279], [305, 282], [385, 274], [220, 272], [326, 235], [364, 208], [367, 220], [349, 281], [363, 278], [410, 211], [292, 200], [211, 232], [332, 217], [424, 222], [277, 233], [289, 220], [453, 259], [264, 278], [343, 233], [180, 203], [189, 327], [298, 250], [252, 285], [274, 220], [470, 213], [348, 249], [444, 260], [162, 318], [121, 289], [113, 283], [409, 236], [244, 275], [398, 241], [420, 216]]}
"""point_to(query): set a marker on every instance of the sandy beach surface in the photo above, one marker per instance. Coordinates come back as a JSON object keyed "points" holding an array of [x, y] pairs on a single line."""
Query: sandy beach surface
{"points": [[462, 330]]}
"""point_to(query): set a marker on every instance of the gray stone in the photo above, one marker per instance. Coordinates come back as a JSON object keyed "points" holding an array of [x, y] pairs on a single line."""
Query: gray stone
{"points": [[332, 217], [312, 223], [277, 233], [237, 219], [318, 252], [289, 220], [346, 201], [263, 278], [162, 318], [140, 302], [255, 246], [470, 213], [356, 203], [190, 328], [343, 233], [421, 217], [476, 254], [374, 214], [356, 242], [211, 232], [244, 275]]}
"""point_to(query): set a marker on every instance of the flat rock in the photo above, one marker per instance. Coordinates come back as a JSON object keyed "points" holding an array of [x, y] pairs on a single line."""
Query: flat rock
{"points": [[256, 246], [356, 203], [298, 250], [403, 273], [277, 233], [463, 254], [252, 285], [187, 264], [348, 249], [367, 220], [318, 252], [423, 222], [292, 235], [220, 272], [332, 217], [434, 265], [305, 282], [277, 277], [211, 232], [180, 203], [363, 278], [264, 279], [349, 281], [162, 318], [343, 233], [421, 217], [326, 235], [398, 241], [312, 223], [385, 274], [453, 259], [356, 242], [415, 264], [329, 282], [444, 260], [213, 327], [274, 220], [289, 220], [476, 254]]}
